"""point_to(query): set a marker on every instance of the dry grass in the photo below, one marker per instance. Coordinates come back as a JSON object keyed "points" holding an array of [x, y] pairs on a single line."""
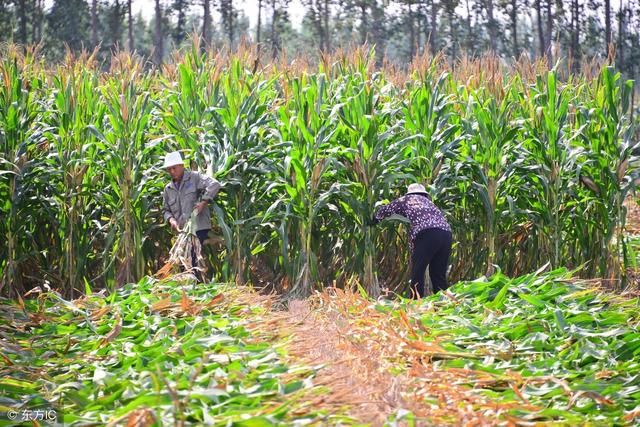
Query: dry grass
{"points": [[375, 367], [633, 215]]}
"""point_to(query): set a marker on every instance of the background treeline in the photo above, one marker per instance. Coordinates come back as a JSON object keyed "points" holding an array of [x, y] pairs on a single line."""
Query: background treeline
{"points": [[529, 168], [573, 31]]}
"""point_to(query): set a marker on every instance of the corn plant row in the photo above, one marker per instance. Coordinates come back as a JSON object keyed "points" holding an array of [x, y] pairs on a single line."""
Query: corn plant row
{"points": [[528, 169]]}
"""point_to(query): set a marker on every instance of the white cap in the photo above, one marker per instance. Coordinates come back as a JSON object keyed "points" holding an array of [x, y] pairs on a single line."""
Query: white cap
{"points": [[172, 159], [416, 188]]}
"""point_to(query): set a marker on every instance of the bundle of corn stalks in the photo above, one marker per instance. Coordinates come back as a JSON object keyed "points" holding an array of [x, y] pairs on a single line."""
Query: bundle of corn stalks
{"points": [[182, 253]]}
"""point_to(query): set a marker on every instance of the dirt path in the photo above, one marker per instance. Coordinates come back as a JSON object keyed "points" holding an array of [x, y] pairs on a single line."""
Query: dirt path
{"points": [[357, 377], [375, 369]]}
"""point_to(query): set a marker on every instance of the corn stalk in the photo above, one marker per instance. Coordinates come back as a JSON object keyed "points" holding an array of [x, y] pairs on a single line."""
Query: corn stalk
{"points": [[127, 156], [20, 106]]}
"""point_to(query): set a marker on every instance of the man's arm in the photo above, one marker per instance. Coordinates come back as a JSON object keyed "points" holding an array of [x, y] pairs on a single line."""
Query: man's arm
{"points": [[166, 210], [210, 186]]}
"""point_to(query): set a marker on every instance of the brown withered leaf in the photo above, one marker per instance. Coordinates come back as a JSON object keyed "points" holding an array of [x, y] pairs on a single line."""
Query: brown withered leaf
{"points": [[114, 332], [161, 305]]}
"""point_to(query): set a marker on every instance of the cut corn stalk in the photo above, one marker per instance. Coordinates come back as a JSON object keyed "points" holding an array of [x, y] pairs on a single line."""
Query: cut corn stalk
{"points": [[186, 247]]}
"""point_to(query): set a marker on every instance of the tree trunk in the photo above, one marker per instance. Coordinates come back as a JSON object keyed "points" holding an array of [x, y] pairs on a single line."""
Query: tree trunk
{"points": [[514, 26], [22, 14], [130, 24], [452, 36], [363, 22], [230, 23], [549, 38], [378, 30], [575, 37], [412, 33], [492, 25], [259, 23], [541, 42], [621, 31], [206, 22], [433, 37], [37, 22], [559, 17], [327, 38], [180, 23], [607, 26], [571, 31], [34, 14], [94, 23], [159, 54], [470, 37], [116, 25], [274, 35], [317, 22]]}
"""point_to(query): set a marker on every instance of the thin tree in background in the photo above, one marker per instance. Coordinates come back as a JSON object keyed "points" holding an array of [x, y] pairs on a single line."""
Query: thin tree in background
{"points": [[130, 25], [259, 24], [492, 26], [513, 14], [378, 29], [412, 30], [36, 25], [327, 32], [94, 23], [158, 39], [275, 45], [541, 42], [621, 31], [179, 6], [279, 18], [206, 22], [559, 24], [607, 26], [69, 26], [22, 16], [450, 11], [433, 28], [470, 35], [575, 36], [364, 22], [227, 14], [549, 36], [114, 22], [318, 13]]}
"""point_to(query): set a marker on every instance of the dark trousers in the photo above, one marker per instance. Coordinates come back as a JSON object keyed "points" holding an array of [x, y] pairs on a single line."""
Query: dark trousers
{"points": [[202, 235], [431, 247]]}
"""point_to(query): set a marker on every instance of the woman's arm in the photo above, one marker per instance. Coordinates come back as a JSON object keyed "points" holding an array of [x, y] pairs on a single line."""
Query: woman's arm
{"points": [[385, 211]]}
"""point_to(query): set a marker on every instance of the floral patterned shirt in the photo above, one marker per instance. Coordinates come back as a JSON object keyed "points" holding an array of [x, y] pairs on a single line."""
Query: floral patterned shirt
{"points": [[419, 210]]}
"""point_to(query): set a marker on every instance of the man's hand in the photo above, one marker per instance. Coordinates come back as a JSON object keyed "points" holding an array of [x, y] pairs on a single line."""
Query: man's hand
{"points": [[174, 224], [200, 206]]}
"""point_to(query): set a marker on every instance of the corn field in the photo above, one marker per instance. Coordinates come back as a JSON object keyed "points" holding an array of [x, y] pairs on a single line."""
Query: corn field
{"points": [[530, 167]]}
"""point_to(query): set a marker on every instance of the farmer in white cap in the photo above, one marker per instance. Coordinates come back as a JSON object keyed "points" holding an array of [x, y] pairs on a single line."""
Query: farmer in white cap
{"points": [[429, 237], [188, 191]]}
